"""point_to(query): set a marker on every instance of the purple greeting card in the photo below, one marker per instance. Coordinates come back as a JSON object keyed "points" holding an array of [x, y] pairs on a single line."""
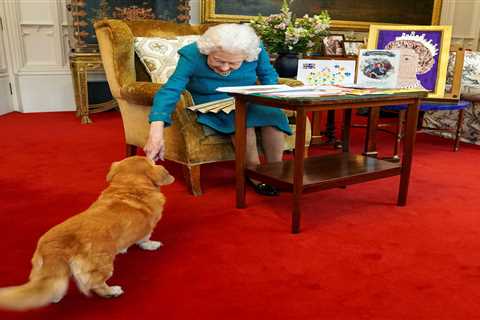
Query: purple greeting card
{"points": [[425, 43]]}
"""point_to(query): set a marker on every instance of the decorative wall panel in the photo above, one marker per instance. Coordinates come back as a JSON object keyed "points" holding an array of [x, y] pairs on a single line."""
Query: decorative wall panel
{"points": [[37, 12], [40, 47]]}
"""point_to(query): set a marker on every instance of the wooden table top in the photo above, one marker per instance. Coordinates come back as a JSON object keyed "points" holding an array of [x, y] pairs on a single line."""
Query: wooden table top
{"points": [[330, 99]]}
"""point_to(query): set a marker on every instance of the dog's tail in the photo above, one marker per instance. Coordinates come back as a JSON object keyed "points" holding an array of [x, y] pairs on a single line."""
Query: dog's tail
{"points": [[48, 283]]}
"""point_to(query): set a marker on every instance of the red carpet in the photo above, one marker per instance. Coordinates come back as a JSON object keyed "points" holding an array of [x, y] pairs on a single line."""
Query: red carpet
{"points": [[358, 256]]}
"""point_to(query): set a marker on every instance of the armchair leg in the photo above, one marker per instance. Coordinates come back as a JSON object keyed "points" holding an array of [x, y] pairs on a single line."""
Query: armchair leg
{"points": [[192, 178], [458, 132], [131, 150]]}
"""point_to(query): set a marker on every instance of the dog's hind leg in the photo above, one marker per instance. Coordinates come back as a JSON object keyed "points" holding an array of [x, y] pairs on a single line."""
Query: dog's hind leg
{"points": [[147, 244], [91, 275], [106, 291]]}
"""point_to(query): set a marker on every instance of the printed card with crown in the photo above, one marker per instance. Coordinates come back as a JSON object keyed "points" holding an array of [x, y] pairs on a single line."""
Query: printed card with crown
{"points": [[430, 43]]}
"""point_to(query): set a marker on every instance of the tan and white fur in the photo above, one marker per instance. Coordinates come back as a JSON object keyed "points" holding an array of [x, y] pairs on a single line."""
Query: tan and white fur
{"points": [[85, 245]]}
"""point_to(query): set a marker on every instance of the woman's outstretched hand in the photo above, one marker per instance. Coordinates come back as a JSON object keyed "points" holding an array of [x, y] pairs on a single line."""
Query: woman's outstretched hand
{"points": [[155, 146]]}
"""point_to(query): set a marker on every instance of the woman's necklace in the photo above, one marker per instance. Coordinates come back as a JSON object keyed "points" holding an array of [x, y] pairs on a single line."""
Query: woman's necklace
{"points": [[224, 74]]}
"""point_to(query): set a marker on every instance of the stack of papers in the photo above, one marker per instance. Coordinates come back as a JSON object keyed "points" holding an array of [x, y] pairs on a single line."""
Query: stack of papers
{"points": [[225, 105], [282, 90]]}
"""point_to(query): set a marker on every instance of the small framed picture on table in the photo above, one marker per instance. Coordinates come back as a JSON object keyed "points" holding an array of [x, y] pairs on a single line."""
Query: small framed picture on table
{"points": [[352, 47], [334, 45]]}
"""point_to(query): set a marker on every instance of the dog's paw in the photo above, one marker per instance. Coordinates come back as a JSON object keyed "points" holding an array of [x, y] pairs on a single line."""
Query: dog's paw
{"points": [[150, 245], [114, 292]]}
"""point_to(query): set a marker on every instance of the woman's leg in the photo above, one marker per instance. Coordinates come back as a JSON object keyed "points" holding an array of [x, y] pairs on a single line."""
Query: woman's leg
{"points": [[273, 141], [251, 156], [252, 159]]}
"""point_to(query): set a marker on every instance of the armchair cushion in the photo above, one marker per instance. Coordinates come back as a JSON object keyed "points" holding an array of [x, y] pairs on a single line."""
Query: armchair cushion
{"points": [[159, 55]]}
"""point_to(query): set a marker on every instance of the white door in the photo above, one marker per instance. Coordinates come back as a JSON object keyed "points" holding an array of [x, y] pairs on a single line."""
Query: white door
{"points": [[5, 90]]}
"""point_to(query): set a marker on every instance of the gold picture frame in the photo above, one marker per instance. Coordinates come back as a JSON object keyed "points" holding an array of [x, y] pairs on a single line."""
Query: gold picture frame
{"points": [[432, 43], [209, 15]]}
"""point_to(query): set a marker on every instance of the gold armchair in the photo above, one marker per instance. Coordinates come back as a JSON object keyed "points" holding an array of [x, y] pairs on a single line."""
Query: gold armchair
{"points": [[185, 141]]}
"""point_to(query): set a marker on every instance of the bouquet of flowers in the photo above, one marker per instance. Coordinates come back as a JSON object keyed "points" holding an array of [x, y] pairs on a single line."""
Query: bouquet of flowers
{"points": [[284, 33]]}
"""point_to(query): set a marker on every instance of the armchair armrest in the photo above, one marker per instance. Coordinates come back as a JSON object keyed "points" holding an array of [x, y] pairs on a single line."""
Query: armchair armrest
{"points": [[142, 93], [290, 82]]}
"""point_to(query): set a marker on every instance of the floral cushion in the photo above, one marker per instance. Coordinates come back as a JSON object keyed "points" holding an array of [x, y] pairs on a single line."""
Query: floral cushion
{"points": [[470, 71], [159, 55]]}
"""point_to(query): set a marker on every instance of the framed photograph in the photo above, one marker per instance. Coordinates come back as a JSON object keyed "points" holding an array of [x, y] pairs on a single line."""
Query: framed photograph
{"points": [[352, 47], [346, 14], [334, 45], [431, 43], [326, 71]]}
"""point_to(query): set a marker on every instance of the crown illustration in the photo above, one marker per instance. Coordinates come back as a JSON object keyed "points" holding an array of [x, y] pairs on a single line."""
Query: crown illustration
{"points": [[432, 47]]}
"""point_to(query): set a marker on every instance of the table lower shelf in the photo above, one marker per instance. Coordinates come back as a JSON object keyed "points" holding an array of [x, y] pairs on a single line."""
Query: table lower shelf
{"points": [[328, 171]]}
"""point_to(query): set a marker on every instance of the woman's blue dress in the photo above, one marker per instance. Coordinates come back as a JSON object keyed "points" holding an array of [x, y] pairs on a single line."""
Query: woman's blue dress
{"points": [[194, 74]]}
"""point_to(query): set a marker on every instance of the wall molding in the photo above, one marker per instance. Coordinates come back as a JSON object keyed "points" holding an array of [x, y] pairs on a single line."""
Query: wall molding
{"points": [[39, 63]]}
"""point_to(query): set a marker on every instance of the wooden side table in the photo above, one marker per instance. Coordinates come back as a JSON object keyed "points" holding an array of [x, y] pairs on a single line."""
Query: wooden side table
{"points": [[329, 171], [80, 65]]}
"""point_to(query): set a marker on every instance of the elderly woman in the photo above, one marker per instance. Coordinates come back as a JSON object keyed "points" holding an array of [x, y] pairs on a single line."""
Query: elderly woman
{"points": [[225, 55]]}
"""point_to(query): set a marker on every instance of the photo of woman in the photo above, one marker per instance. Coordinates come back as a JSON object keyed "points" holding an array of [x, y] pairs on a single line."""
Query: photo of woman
{"points": [[334, 45]]}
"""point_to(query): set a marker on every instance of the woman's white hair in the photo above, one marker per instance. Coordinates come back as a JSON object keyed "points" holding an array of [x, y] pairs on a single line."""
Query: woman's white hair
{"points": [[232, 38]]}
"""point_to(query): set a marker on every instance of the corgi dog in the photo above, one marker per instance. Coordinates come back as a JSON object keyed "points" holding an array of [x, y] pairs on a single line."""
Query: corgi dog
{"points": [[84, 246]]}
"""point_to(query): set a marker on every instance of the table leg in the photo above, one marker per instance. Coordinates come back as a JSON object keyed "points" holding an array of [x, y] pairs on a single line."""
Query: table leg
{"points": [[398, 136], [298, 168], [240, 149], [370, 148], [408, 144], [458, 131], [347, 123]]}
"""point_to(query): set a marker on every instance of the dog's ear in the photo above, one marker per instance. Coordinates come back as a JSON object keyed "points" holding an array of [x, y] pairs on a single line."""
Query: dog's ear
{"points": [[113, 171], [160, 176]]}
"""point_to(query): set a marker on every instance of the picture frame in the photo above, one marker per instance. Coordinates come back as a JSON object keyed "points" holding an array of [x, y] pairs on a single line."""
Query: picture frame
{"points": [[346, 14], [83, 14], [352, 47], [327, 70], [334, 45], [431, 43]]}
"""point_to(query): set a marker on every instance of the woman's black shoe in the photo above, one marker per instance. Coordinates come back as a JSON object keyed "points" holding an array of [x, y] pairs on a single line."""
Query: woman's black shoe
{"points": [[264, 189]]}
